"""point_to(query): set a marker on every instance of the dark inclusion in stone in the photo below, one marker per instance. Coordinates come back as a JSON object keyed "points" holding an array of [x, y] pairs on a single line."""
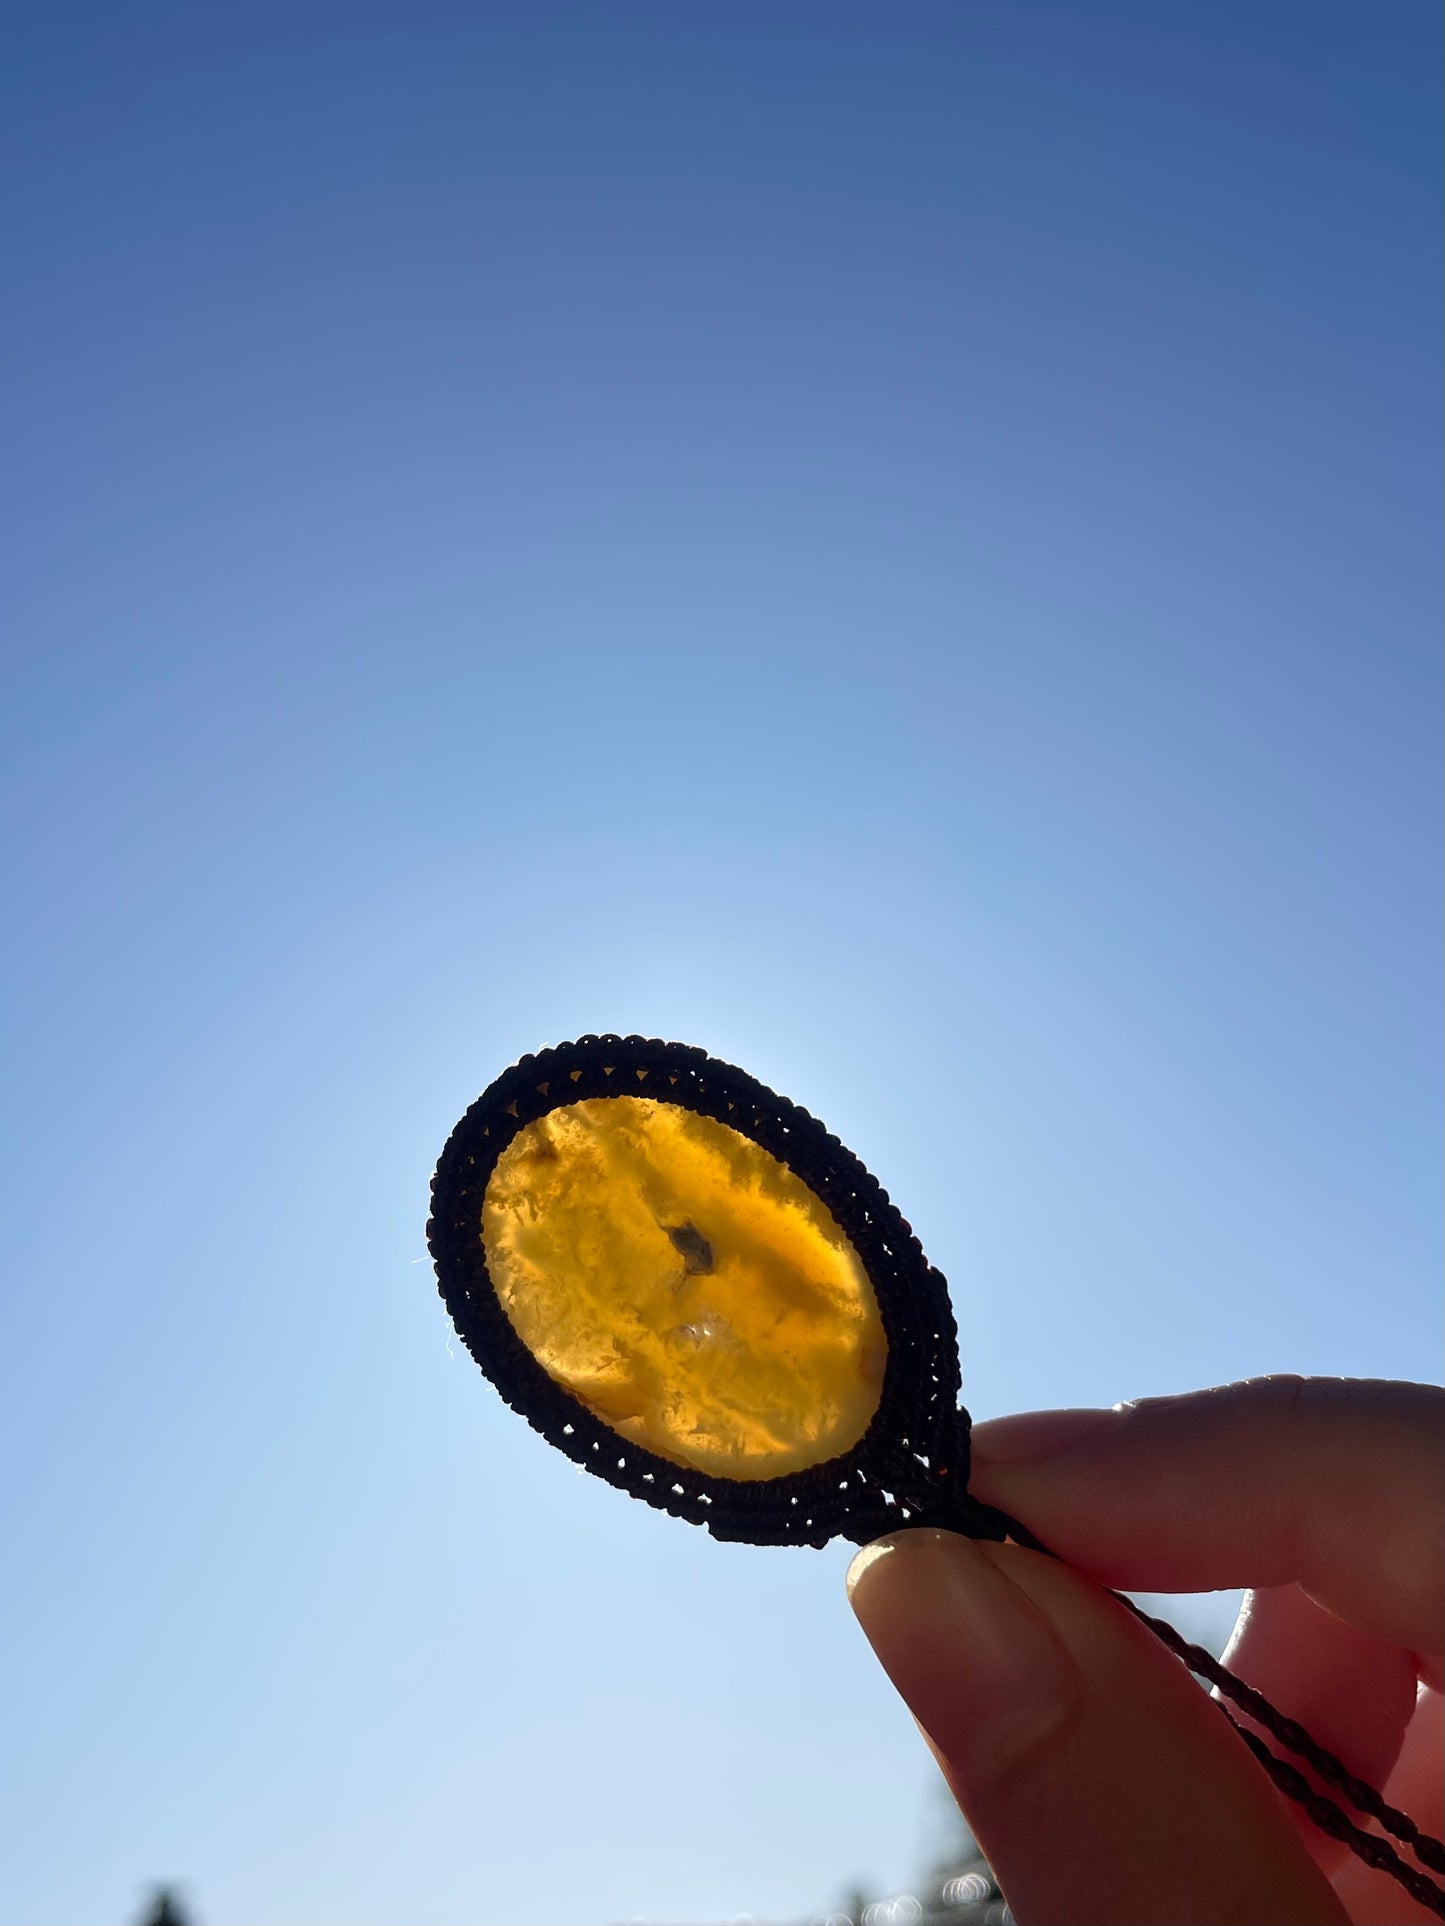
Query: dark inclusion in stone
{"points": [[697, 1253]]}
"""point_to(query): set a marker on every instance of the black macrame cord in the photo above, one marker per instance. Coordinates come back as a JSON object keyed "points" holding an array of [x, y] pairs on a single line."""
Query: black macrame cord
{"points": [[911, 1467], [1288, 1779]]}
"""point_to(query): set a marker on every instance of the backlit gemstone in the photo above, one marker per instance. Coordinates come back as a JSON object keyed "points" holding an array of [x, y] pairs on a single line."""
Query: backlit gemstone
{"points": [[685, 1286]]}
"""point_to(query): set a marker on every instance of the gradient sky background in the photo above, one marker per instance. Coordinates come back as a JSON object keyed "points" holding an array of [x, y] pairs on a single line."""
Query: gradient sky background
{"points": [[894, 542]]}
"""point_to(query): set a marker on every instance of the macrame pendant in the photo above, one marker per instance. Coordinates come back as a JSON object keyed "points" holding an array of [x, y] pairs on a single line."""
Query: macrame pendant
{"points": [[682, 1281]]}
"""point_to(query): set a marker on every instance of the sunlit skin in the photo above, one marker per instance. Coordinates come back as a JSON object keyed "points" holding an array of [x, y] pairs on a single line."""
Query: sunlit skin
{"points": [[1101, 1782], [686, 1286]]}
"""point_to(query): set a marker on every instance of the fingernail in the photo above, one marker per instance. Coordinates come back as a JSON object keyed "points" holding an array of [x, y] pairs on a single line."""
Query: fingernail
{"points": [[974, 1658], [1031, 1436]]}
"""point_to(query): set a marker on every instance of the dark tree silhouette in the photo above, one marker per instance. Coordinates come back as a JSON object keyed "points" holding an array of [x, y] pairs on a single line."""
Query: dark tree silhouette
{"points": [[165, 1909]]}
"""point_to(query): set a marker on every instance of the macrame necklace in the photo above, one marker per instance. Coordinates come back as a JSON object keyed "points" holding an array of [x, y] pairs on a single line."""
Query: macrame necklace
{"points": [[686, 1284]]}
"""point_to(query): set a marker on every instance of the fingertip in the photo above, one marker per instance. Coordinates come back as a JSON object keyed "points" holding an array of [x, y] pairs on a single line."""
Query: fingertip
{"points": [[1095, 1774], [975, 1658], [863, 1562]]}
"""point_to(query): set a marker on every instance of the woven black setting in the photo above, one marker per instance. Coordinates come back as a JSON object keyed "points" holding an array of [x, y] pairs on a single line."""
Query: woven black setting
{"points": [[910, 1466]]}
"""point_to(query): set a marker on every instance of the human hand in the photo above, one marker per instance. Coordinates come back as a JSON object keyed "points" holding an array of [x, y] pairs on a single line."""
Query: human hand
{"points": [[1102, 1785]]}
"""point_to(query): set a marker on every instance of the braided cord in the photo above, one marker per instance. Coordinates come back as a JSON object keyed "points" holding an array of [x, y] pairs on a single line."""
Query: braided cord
{"points": [[1430, 1852], [1288, 1779], [1375, 1851]]}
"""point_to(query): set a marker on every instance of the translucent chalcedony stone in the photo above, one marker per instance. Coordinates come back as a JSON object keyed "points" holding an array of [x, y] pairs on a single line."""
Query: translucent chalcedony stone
{"points": [[685, 1285]]}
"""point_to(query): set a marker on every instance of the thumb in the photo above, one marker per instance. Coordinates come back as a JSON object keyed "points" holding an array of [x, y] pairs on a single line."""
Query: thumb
{"points": [[1103, 1785]]}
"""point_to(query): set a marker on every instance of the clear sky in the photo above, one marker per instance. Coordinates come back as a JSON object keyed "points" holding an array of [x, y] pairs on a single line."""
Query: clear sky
{"points": [[895, 542]]}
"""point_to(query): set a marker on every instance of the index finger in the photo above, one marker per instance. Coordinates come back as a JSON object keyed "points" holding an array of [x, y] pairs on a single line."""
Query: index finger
{"points": [[1334, 1484]]}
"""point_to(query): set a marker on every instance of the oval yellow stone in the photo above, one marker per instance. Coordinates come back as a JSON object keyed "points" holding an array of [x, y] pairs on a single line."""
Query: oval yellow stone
{"points": [[685, 1286]]}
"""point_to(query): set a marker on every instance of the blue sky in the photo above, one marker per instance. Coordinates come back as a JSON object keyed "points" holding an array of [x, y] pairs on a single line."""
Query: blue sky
{"points": [[895, 543]]}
